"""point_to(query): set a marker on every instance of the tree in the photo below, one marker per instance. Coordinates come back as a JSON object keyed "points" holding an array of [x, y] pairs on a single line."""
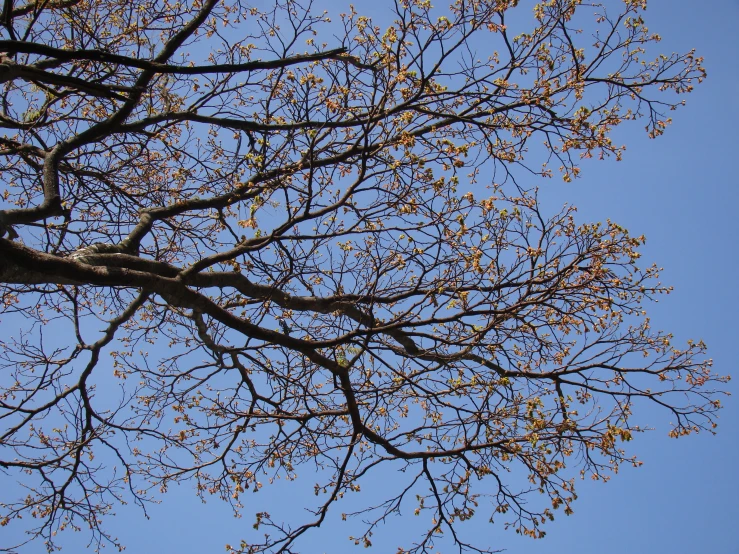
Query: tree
{"points": [[233, 253]]}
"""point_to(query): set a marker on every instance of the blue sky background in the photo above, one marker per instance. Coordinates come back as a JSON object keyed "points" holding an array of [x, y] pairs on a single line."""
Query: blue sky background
{"points": [[681, 192]]}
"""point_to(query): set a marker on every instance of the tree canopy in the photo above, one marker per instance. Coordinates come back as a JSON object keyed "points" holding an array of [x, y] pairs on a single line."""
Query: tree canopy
{"points": [[242, 244]]}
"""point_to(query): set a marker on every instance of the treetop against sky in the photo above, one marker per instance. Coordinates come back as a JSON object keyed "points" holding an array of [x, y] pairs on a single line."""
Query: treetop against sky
{"points": [[243, 245]]}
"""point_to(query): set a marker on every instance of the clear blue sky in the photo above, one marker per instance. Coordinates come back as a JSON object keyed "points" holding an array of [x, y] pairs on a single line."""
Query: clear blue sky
{"points": [[682, 192]]}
